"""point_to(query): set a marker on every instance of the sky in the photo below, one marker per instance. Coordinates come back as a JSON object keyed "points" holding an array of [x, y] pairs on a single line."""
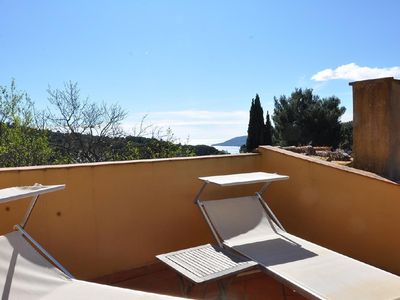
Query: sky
{"points": [[194, 66]]}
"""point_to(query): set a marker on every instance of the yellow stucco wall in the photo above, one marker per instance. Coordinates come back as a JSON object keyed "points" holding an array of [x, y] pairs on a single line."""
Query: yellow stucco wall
{"points": [[347, 210], [117, 216]]}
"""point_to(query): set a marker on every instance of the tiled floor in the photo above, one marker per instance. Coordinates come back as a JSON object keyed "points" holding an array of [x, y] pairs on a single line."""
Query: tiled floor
{"points": [[250, 286]]}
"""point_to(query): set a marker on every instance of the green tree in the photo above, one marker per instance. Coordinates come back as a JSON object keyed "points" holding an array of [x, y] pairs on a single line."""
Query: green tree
{"points": [[88, 128], [22, 141], [346, 136], [268, 131], [304, 118], [256, 129]]}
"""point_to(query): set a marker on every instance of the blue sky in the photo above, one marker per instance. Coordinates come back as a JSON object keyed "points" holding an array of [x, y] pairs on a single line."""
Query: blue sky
{"points": [[196, 65]]}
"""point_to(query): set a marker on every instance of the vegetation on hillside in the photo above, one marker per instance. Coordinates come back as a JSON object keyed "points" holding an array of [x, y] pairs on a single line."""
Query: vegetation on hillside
{"points": [[76, 130], [22, 142]]}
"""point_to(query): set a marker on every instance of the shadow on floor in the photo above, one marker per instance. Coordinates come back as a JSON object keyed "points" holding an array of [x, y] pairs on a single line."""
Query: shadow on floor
{"points": [[251, 286]]}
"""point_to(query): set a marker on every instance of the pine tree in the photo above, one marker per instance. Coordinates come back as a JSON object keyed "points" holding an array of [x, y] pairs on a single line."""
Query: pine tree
{"points": [[268, 131], [304, 118], [256, 129]]}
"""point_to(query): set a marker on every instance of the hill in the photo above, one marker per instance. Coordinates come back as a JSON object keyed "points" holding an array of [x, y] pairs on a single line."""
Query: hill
{"points": [[85, 148], [236, 141]]}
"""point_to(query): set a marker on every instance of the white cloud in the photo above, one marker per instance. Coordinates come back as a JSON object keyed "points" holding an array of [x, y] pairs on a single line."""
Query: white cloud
{"points": [[355, 72], [200, 126], [199, 117], [348, 115]]}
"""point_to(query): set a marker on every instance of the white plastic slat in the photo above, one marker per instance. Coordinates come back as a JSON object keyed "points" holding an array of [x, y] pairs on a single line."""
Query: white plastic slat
{"points": [[221, 260], [200, 262], [190, 267], [20, 192], [190, 261], [244, 178], [208, 262], [205, 263]]}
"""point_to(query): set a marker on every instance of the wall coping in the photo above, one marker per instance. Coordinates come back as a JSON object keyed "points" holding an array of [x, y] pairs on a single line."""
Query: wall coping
{"points": [[127, 162], [329, 164], [367, 81]]}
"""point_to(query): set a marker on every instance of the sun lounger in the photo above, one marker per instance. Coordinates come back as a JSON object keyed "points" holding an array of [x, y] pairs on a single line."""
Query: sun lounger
{"points": [[248, 226], [27, 271]]}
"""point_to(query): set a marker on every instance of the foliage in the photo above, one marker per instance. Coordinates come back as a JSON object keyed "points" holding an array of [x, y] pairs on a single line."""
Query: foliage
{"points": [[346, 136], [23, 146], [258, 133], [304, 118], [200, 150], [243, 149], [138, 147], [256, 130], [22, 143], [151, 148], [268, 131], [133, 147]]}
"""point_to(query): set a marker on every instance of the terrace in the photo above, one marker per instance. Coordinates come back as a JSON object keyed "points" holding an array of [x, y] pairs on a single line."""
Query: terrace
{"points": [[113, 218]]}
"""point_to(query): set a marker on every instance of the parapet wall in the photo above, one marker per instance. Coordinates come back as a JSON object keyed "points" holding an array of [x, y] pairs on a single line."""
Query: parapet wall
{"points": [[348, 210]]}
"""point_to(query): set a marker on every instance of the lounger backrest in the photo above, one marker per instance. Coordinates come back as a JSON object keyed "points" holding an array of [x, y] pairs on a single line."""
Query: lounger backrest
{"points": [[239, 220], [24, 273]]}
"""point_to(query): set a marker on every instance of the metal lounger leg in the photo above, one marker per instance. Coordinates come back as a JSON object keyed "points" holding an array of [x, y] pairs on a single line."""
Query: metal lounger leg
{"points": [[185, 285], [29, 211], [266, 207], [223, 286], [44, 252], [198, 202]]}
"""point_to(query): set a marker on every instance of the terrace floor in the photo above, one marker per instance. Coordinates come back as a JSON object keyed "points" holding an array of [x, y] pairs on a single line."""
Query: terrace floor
{"points": [[255, 285]]}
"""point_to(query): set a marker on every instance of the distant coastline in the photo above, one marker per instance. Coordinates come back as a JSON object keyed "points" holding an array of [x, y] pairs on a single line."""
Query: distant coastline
{"points": [[236, 142], [229, 149]]}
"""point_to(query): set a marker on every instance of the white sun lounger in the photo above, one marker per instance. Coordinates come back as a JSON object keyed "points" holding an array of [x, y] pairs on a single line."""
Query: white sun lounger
{"points": [[248, 226], [27, 271]]}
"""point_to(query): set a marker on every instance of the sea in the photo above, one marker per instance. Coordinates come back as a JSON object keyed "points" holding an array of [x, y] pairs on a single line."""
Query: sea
{"points": [[210, 142], [229, 149]]}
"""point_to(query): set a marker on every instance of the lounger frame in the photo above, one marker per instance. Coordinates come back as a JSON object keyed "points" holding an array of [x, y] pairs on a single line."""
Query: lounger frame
{"points": [[239, 179]]}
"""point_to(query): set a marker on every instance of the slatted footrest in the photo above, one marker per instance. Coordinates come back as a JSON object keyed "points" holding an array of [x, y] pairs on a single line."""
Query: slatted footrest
{"points": [[206, 263]]}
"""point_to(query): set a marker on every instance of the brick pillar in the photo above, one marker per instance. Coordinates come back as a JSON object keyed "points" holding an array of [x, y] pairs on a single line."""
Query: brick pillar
{"points": [[376, 126]]}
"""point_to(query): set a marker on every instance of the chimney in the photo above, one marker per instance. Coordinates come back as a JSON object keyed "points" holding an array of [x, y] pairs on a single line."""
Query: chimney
{"points": [[376, 126]]}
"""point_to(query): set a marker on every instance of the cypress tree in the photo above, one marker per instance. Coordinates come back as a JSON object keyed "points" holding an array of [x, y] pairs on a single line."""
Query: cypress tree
{"points": [[268, 131], [256, 129]]}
